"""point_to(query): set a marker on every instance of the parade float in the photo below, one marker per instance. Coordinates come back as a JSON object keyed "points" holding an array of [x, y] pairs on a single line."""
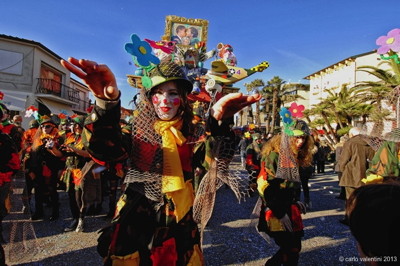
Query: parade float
{"points": [[185, 43]]}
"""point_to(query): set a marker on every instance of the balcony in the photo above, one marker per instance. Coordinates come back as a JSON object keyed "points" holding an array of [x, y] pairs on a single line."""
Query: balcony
{"points": [[56, 91]]}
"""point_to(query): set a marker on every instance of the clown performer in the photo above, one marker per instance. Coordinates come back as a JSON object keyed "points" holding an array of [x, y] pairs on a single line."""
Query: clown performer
{"points": [[43, 167], [278, 184], [153, 224]]}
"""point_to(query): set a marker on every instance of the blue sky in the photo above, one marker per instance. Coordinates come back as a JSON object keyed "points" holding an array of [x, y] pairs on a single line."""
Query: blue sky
{"points": [[297, 37]]}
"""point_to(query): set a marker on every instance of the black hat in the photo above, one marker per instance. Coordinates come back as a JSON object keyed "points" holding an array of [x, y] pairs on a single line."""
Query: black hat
{"points": [[33, 123], [301, 128]]}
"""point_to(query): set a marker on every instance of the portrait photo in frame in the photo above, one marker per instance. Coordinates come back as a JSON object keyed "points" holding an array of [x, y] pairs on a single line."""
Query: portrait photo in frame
{"points": [[185, 31]]}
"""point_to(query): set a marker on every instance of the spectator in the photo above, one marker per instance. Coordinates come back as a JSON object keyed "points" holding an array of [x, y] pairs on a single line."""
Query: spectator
{"points": [[17, 120], [253, 157], [242, 146], [338, 152], [374, 218], [320, 157], [353, 163]]}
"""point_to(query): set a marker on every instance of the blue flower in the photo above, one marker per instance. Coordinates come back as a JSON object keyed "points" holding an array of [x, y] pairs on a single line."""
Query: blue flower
{"points": [[141, 50], [286, 115]]}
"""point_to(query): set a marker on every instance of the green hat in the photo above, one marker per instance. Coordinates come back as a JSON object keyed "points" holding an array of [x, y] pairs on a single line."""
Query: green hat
{"points": [[80, 120], [166, 71], [46, 119]]}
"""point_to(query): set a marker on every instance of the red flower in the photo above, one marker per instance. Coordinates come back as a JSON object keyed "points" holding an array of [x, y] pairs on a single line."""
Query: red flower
{"points": [[1, 95], [33, 108], [62, 115], [296, 110]]}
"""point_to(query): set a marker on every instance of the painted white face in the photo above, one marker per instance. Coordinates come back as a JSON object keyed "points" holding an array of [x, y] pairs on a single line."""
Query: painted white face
{"points": [[166, 100]]}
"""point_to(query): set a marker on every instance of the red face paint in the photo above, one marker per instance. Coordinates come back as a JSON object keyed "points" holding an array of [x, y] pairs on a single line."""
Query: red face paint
{"points": [[176, 101], [155, 99]]}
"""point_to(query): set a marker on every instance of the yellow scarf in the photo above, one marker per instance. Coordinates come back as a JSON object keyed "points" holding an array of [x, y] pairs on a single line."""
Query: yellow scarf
{"points": [[172, 169], [173, 183]]}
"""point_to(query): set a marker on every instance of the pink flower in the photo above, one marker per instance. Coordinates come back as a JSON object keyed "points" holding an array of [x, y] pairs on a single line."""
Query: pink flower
{"points": [[296, 110], [389, 42]]}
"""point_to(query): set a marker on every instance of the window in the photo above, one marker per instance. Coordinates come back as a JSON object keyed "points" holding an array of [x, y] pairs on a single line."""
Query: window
{"points": [[51, 80], [11, 62]]}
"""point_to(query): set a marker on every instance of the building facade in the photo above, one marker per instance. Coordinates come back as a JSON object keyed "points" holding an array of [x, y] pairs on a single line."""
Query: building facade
{"points": [[31, 75], [344, 73]]}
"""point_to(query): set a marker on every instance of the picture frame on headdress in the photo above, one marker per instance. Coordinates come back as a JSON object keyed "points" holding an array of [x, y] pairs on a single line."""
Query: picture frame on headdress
{"points": [[185, 31]]}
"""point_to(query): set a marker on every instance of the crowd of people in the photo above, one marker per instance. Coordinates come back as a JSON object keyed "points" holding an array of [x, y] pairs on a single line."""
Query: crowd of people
{"points": [[154, 221], [367, 167]]}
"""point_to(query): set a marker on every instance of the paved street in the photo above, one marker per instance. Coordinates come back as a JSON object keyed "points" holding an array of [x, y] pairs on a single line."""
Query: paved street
{"points": [[229, 239]]}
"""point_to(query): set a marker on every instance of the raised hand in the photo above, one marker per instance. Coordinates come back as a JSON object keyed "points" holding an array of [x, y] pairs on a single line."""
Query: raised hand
{"points": [[232, 103], [99, 78]]}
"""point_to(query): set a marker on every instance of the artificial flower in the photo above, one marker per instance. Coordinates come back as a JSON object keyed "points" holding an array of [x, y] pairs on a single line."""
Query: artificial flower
{"points": [[62, 116], [286, 115], [389, 42], [247, 135], [141, 51], [1, 95], [296, 110], [252, 126], [30, 111]]}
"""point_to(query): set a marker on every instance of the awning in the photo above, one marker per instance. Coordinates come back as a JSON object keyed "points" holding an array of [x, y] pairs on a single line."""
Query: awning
{"points": [[14, 101], [57, 108]]}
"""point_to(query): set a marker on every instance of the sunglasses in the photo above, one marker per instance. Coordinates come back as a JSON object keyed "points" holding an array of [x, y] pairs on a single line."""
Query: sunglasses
{"points": [[46, 126]]}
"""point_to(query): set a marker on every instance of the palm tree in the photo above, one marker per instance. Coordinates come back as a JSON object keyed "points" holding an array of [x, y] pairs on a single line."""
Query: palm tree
{"points": [[322, 109], [375, 92]]}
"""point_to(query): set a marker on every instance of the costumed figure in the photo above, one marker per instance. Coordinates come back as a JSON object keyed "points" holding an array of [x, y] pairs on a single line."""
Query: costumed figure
{"points": [[225, 51], [155, 217], [253, 157], [9, 128], [9, 165], [278, 183], [385, 165], [27, 142], [76, 158], [44, 165]]}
